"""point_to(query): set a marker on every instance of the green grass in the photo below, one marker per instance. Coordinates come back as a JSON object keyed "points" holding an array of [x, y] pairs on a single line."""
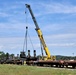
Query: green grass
{"points": [[33, 70]]}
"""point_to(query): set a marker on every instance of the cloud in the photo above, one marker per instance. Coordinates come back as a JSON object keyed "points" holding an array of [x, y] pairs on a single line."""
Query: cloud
{"points": [[62, 45], [63, 36], [17, 42], [59, 8], [9, 9], [52, 27], [51, 7], [61, 40], [1, 47], [2, 14], [45, 8], [13, 44]]}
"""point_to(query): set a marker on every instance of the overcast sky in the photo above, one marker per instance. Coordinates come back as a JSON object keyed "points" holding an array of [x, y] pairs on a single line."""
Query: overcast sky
{"points": [[56, 19]]}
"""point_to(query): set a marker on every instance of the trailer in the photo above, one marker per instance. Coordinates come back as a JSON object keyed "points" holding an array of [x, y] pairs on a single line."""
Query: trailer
{"points": [[58, 64]]}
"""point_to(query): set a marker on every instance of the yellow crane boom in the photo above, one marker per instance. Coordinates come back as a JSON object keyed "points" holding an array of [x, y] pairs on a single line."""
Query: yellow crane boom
{"points": [[39, 33]]}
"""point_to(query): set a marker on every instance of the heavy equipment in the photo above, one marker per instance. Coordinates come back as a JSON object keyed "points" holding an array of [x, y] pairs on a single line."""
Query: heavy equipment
{"points": [[40, 35]]}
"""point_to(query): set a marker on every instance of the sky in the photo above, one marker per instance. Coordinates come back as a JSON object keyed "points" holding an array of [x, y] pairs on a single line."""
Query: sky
{"points": [[56, 19]]}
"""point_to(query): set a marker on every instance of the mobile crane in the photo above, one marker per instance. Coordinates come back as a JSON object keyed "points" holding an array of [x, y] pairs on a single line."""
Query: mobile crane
{"points": [[40, 35]]}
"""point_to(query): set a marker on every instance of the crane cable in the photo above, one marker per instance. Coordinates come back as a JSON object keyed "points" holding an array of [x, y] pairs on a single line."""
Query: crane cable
{"points": [[27, 35], [28, 32], [25, 38], [30, 41]]}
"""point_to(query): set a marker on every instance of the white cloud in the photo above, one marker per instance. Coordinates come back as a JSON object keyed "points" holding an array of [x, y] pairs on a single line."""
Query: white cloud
{"points": [[17, 42], [59, 8], [52, 27], [62, 45], [13, 44], [1, 47], [53, 7], [65, 35], [2, 14], [61, 40]]}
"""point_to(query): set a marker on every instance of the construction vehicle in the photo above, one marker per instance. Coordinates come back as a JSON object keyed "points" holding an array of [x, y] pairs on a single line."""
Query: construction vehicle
{"points": [[40, 35]]}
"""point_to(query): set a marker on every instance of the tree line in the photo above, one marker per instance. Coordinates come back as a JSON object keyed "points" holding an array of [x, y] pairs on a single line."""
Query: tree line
{"points": [[58, 57], [5, 55]]}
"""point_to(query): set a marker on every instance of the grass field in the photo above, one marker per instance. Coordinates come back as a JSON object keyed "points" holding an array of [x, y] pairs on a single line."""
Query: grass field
{"points": [[33, 70]]}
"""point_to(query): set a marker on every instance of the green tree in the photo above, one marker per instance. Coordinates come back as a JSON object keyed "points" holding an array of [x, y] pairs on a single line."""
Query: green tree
{"points": [[7, 55], [2, 54], [12, 55]]}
